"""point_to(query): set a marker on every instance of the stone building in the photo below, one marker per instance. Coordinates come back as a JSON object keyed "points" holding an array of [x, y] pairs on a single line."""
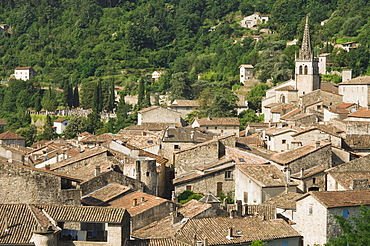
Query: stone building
{"points": [[45, 225], [157, 114], [60, 125], [245, 73], [9, 138], [356, 91], [24, 73], [184, 106], [316, 210], [219, 126], [23, 184]]}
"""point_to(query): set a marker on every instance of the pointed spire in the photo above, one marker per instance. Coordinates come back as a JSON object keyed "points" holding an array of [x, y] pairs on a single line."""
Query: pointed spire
{"points": [[306, 51]]}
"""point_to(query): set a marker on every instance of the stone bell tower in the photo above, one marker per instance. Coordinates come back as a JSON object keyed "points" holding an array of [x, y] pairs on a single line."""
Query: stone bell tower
{"points": [[306, 66]]}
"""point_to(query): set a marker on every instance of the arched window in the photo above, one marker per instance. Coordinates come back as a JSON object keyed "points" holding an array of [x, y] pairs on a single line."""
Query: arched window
{"points": [[282, 98], [300, 69], [305, 70]]}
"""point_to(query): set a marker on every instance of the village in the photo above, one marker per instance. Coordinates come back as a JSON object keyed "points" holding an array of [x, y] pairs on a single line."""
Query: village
{"points": [[282, 182]]}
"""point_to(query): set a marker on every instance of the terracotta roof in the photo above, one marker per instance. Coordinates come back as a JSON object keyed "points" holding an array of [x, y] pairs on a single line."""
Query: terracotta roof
{"points": [[22, 68], [329, 86], [345, 179], [87, 172], [156, 242], [221, 121], [270, 105], [355, 141], [244, 230], [149, 126], [333, 199], [308, 172], [339, 111], [2, 122], [60, 120], [159, 159], [8, 135], [98, 197], [294, 154], [286, 199], [331, 130], [21, 221], [345, 105], [265, 175], [185, 103], [106, 137], [242, 157], [84, 134], [84, 213], [290, 114], [313, 103], [286, 88], [255, 140], [361, 113], [144, 202], [364, 80]]}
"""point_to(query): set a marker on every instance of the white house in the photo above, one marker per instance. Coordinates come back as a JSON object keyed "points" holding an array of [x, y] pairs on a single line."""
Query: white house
{"points": [[253, 20], [24, 73], [356, 90], [246, 72], [60, 125]]}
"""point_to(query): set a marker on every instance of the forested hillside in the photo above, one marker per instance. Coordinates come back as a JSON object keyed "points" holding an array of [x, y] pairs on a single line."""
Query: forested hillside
{"points": [[95, 44]]}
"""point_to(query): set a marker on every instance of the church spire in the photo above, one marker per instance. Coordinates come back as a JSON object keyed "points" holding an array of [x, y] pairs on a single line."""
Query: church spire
{"points": [[306, 51]]}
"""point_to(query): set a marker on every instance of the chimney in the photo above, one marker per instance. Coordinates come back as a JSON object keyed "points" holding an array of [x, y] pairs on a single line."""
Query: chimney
{"points": [[97, 170], [205, 241], [142, 199], [239, 208], [317, 144], [195, 240], [134, 202], [230, 235], [302, 172], [175, 216], [47, 167], [346, 74], [287, 174]]}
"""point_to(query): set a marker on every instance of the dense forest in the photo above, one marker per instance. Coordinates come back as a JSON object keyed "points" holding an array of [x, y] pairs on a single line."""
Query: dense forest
{"points": [[82, 49]]}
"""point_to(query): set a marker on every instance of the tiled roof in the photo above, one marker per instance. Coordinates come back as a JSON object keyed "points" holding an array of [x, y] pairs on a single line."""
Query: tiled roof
{"points": [[81, 156], [106, 137], [149, 126], [98, 197], [8, 135], [345, 179], [144, 202], [339, 111], [331, 130], [159, 159], [22, 68], [309, 172], [246, 229], [221, 121], [267, 211], [85, 134], [332, 199], [329, 86], [148, 109], [185, 103], [246, 66], [156, 242], [276, 130], [313, 103], [265, 175], [87, 172], [207, 142], [286, 199], [244, 157], [345, 105], [84, 213], [184, 134], [217, 163], [290, 114], [286, 88], [361, 113], [270, 105], [21, 220], [364, 80], [2, 122], [60, 120], [294, 154], [355, 141], [255, 140]]}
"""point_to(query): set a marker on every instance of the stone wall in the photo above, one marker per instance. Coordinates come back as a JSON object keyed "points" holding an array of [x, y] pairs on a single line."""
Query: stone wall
{"points": [[321, 157], [328, 99], [108, 178], [160, 115], [21, 185], [358, 128]]}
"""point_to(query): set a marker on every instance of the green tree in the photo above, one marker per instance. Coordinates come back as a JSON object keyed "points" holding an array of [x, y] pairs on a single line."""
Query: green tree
{"points": [[181, 86], [48, 130], [355, 230], [76, 125], [255, 95], [248, 115], [258, 243], [49, 100], [141, 93], [76, 97], [223, 103], [29, 133]]}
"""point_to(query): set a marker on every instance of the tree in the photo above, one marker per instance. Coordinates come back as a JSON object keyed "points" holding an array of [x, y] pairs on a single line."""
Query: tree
{"points": [[49, 100], [355, 231], [48, 131], [76, 98], [141, 93], [223, 104], [258, 243], [76, 125], [255, 95], [181, 86], [248, 115]]}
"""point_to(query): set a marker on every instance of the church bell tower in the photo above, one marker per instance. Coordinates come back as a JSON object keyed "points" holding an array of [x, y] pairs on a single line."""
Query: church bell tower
{"points": [[306, 66]]}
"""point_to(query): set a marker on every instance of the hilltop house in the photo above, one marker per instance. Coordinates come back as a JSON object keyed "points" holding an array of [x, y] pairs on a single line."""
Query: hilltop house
{"points": [[24, 73], [60, 125]]}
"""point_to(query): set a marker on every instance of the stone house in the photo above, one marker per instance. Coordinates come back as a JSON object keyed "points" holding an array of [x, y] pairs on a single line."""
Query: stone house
{"points": [[9, 138], [44, 225], [257, 183], [318, 133], [304, 157], [176, 138], [14, 154], [305, 119], [311, 179], [315, 213], [60, 125], [253, 20], [24, 73], [246, 73], [335, 114], [347, 46], [142, 207], [356, 90], [362, 114], [157, 114], [279, 138], [319, 99], [184, 106], [323, 61], [219, 126], [24, 184]]}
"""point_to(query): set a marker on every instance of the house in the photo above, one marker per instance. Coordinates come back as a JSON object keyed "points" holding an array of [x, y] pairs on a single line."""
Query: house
{"points": [[316, 212], [60, 125], [219, 126], [9, 138], [257, 183], [253, 20], [310, 179], [24, 184], [156, 75], [157, 114], [279, 138], [179, 138], [43, 225], [362, 114], [246, 72], [142, 207], [347, 46], [356, 90], [323, 61], [184, 106], [24, 73], [320, 133]]}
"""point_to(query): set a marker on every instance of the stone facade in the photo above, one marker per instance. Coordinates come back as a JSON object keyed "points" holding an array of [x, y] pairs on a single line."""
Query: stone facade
{"points": [[316, 134], [156, 114], [20, 184], [329, 99]]}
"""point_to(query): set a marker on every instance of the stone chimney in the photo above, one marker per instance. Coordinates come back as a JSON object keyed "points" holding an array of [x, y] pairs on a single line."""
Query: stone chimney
{"points": [[134, 202], [239, 208], [47, 167], [175, 216], [287, 174], [143, 199], [205, 241], [97, 170], [230, 234], [317, 144], [302, 173]]}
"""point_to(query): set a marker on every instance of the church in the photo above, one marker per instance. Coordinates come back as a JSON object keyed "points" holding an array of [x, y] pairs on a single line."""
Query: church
{"points": [[287, 96]]}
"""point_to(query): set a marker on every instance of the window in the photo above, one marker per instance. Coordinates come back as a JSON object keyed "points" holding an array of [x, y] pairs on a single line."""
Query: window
{"points": [[283, 141], [188, 187], [345, 213], [150, 141], [227, 174], [310, 209], [147, 174], [219, 188], [241, 159], [284, 244], [176, 146]]}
